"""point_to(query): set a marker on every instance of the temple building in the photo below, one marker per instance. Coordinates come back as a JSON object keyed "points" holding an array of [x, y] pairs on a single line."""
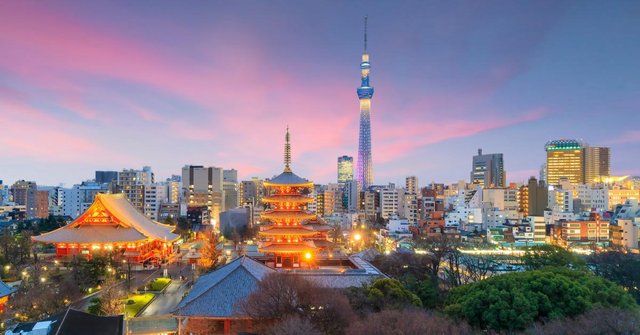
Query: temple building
{"points": [[111, 223], [292, 234]]}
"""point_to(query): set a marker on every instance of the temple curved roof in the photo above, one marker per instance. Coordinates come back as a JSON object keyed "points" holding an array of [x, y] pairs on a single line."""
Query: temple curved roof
{"points": [[110, 219], [288, 179]]}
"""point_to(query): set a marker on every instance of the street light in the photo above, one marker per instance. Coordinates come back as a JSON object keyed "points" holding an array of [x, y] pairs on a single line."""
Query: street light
{"points": [[357, 237]]}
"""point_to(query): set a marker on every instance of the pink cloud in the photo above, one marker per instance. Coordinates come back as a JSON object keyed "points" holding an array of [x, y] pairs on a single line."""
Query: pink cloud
{"points": [[400, 140], [627, 137]]}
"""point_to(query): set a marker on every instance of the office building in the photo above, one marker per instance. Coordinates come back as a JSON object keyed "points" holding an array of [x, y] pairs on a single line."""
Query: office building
{"points": [[203, 186], [487, 170], [411, 185], [345, 169], [597, 163]]}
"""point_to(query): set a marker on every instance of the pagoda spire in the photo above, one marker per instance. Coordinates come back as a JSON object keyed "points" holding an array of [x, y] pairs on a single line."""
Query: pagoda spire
{"points": [[287, 152]]}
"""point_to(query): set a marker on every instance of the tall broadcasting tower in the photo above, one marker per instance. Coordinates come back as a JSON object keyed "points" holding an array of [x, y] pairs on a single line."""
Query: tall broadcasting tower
{"points": [[365, 92]]}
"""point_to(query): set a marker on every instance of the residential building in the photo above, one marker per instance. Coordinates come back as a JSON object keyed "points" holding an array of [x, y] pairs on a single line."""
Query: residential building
{"points": [[24, 193], [597, 162], [132, 184], [79, 197], [533, 198], [389, 201], [412, 185], [155, 195]]}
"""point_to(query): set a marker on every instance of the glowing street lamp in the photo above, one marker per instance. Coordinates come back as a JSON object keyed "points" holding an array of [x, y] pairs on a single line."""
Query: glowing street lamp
{"points": [[307, 255], [357, 237]]}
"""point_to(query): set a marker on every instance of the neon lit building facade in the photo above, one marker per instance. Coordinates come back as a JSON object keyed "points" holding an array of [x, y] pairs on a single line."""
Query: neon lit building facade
{"points": [[291, 231], [364, 173]]}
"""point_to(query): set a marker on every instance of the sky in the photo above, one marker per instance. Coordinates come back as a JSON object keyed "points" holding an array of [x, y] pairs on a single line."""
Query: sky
{"points": [[107, 85]]}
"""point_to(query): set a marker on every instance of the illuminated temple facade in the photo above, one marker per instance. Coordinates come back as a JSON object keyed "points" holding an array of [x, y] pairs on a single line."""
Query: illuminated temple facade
{"points": [[292, 235], [112, 224]]}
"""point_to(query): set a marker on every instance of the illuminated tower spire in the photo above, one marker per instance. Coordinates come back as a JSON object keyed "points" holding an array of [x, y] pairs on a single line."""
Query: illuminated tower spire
{"points": [[287, 152], [365, 92]]}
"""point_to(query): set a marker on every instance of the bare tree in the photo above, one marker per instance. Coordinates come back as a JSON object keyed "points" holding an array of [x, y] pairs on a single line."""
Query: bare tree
{"points": [[594, 322], [279, 295], [406, 322], [293, 325]]}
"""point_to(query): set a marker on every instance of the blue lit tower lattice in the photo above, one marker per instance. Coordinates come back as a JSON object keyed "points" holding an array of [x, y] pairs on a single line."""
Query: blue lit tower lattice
{"points": [[365, 92]]}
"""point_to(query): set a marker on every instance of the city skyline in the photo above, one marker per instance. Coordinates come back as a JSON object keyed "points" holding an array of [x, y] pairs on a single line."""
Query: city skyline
{"points": [[87, 87]]}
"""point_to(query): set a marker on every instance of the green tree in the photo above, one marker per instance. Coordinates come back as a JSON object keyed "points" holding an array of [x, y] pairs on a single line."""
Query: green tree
{"points": [[383, 294], [622, 268], [183, 227], [538, 257], [169, 220], [515, 301]]}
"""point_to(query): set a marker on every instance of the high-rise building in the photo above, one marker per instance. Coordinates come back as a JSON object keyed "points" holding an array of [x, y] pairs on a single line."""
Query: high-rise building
{"points": [[596, 163], [154, 195], [533, 198], [364, 173], [487, 170], [132, 184], [252, 191], [231, 189], [578, 162], [412, 185], [24, 194], [204, 187], [345, 169], [565, 159]]}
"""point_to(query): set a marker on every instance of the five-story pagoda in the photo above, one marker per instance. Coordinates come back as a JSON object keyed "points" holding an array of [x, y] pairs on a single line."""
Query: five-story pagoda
{"points": [[290, 230]]}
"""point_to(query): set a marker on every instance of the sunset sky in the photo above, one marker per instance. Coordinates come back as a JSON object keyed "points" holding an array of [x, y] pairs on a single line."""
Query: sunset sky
{"points": [[107, 85]]}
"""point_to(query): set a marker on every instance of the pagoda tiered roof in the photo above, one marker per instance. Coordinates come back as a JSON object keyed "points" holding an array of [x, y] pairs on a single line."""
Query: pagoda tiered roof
{"points": [[284, 214], [288, 178], [286, 198], [110, 219], [288, 230]]}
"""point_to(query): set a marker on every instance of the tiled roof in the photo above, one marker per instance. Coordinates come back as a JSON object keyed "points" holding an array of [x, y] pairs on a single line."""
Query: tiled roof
{"points": [[288, 178], [77, 322], [5, 289], [216, 294], [128, 224]]}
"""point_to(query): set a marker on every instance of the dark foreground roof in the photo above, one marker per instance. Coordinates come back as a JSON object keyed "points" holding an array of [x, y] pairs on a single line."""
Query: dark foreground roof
{"points": [[216, 294], [5, 289], [80, 323], [74, 322]]}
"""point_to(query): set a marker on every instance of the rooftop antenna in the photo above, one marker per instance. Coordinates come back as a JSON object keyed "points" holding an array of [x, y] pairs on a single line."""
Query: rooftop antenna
{"points": [[365, 33]]}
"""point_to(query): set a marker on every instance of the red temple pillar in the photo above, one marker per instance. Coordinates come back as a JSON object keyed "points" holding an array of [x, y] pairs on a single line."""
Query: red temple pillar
{"points": [[227, 326]]}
